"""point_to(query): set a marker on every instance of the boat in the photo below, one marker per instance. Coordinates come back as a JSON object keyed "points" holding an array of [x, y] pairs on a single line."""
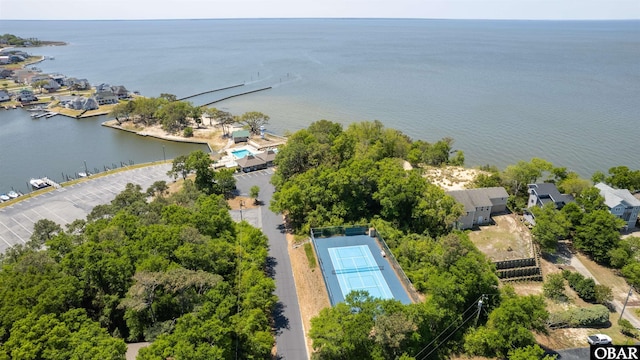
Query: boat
{"points": [[83, 174], [38, 183], [4, 197], [12, 194], [51, 114]]}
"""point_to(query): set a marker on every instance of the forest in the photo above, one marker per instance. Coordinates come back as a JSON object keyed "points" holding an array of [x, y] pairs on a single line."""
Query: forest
{"points": [[329, 176], [174, 269]]}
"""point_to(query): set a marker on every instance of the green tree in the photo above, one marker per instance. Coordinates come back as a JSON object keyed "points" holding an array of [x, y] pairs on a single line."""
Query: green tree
{"points": [[509, 327], [519, 175], [180, 167], [531, 352], [254, 192], [188, 131], [598, 234], [622, 177], [71, 335], [201, 163], [253, 120], [551, 225], [158, 188], [43, 230], [591, 200], [553, 287]]}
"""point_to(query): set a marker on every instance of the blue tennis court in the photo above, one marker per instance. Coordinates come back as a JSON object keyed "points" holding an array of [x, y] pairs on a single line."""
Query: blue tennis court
{"points": [[356, 262], [356, 269]]}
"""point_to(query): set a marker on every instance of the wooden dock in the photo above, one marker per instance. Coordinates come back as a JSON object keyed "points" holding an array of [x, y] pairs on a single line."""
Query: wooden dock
{"points": [[210, 91], [232, 96]]}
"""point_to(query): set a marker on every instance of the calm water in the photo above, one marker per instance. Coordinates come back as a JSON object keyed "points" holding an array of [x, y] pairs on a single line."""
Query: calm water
{"points": [[568, 92]]}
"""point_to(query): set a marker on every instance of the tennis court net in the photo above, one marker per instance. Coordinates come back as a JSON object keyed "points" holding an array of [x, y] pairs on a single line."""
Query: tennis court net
{"points": [[356, 270]]}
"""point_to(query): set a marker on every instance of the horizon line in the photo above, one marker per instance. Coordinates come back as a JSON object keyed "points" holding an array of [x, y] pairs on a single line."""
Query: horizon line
{"points": [[332, 18]]}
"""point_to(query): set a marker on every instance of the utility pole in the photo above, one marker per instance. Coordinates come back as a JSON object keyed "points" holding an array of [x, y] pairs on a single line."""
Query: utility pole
{"points": [[625, 302], [479, 309]]}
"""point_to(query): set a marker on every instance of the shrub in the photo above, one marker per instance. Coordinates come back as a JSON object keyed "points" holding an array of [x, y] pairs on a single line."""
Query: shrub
{"points": [[188, 131], [627, 329], [553, 288], [584, 287], [603, 294], [592, 316]]}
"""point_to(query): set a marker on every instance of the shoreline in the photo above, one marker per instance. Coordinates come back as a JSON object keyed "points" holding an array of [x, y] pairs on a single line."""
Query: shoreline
{"points": [[109, 124]]}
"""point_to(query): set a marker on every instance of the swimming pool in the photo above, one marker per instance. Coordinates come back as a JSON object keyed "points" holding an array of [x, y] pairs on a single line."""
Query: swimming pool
{"points": [[239, 154]]}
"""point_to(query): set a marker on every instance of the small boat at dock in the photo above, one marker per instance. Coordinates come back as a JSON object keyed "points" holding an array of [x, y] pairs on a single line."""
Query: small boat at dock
{"points": [[4, 197], [38, 183], [13, 194], [50, 114]]}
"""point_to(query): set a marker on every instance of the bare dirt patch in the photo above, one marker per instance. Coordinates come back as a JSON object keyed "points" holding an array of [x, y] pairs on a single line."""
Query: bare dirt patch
{"points": [[247, 203], [451, 177], [506, 240], [312, 294]]}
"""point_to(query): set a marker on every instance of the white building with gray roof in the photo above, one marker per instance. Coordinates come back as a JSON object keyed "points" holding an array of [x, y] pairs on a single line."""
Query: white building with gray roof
{"points": [[479, 204], [621, 203]]}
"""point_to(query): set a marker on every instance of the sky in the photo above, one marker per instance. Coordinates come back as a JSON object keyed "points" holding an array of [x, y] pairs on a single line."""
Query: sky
{"points": [[225, 9]]}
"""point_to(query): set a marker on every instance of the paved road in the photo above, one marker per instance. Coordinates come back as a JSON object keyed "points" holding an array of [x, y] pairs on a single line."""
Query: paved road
{"points": [[67, 204], [577, 264], [290, 340]]}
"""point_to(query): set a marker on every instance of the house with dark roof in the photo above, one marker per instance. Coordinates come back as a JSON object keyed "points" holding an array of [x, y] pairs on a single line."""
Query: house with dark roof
{"points": [[621, 203], [256, 162], [240, 136], [120, 91], [51, 86], [542, 193], [26, 95], [479, 205], [4, 96]]}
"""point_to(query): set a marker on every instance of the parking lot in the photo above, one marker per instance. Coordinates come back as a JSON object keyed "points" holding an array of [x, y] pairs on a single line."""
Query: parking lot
{"points": [[67, 204]]}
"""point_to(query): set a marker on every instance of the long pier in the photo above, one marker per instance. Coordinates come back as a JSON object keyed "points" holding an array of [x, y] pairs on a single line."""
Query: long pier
{"points": [[232, 96], [210, 91]]}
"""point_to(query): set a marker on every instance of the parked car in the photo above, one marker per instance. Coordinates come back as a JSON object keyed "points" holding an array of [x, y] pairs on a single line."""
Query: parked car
{"points": [[599, 339]]}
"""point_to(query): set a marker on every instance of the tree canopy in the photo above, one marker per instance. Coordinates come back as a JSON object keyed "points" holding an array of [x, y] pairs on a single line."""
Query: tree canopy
{"points": [[176, 269]]}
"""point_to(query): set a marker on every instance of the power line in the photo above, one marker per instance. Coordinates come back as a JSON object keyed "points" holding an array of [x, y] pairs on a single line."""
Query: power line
{"points": [[447, 328]]}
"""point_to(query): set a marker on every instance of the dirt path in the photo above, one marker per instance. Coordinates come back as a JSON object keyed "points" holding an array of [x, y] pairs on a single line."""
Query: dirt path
{"points": [[312, 294]]}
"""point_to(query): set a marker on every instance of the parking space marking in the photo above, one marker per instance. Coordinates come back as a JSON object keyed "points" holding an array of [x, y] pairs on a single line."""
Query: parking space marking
{"points": [[18, 236], [6, 242], [22, 226], [64, 221], [71, 201], [28, 218]]}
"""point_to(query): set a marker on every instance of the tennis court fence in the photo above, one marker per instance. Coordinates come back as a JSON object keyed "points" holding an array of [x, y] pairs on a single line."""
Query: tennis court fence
{"points": [[327, 232]]}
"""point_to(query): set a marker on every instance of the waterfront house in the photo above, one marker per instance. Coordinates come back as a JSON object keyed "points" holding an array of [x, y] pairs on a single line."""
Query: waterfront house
{"points": [[23, 76], [39, 77], [105, 98], [77, 84], [542, 193], [621, 203], [479, 205], [4, 96], [78, 102], [6, 73], [120, 91], [51, 86], [4, 60], [26, 95], [59, 78], [240, 136]]}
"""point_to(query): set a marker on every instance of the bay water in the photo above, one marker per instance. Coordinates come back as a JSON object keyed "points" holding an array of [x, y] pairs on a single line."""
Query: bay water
{"points": [[565, 91]]}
